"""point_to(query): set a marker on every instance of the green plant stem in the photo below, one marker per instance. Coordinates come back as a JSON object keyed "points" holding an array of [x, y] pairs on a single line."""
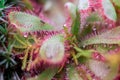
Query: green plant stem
{"points": [[24, 63]]}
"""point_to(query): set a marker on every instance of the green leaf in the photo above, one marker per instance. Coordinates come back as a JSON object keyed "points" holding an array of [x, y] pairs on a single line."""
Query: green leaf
{"points": [[19, 45], [2, 2], [52, 49], [83, 4], [75, 16], [109, 10], [21, 40], [76, 25], [48, 74], [3, 30], [1, 37], [87, 30], [117, 3], [82, 60], [93, 17], [73, 73], [84, 53], [10, 46], [109, 37], [27, 23], [28, 4]]}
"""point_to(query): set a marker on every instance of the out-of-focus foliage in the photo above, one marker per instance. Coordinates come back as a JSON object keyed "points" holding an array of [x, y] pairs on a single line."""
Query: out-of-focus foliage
{"points": [[117, 3]]}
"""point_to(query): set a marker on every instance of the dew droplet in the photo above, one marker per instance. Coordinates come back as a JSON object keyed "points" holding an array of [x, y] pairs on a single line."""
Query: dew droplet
{"points": [[25, 35], [104, 45], [65, 25], [84, 46]]}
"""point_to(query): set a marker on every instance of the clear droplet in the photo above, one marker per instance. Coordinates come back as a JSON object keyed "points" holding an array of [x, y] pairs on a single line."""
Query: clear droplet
{"points": [[25, 35]]}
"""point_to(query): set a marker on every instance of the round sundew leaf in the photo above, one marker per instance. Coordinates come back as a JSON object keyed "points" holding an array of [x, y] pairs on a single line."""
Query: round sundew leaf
{"points": [[52, 49], [103, 70], [109, 10], [27, 23], [109, 37], [83, 4]]}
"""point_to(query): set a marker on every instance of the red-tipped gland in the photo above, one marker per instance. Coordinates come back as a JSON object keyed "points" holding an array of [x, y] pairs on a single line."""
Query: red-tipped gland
{"points": [[98, 56]]}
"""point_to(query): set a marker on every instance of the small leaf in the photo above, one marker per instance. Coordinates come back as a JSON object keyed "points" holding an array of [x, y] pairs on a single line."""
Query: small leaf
{"points": [[76, 25], [24, 62], [19, 45], [21, 40], [27, 23], [3, 30], [86, 31], [48, 74], [93, 17], [2, 3], [84, 53], [52, 49], [109, 37], [2, 36], [109, 10], [73, 73], [28, 4]]}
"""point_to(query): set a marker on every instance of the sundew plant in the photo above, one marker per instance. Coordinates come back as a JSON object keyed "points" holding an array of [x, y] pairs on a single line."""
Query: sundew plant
{"points": [[59, 39]]}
